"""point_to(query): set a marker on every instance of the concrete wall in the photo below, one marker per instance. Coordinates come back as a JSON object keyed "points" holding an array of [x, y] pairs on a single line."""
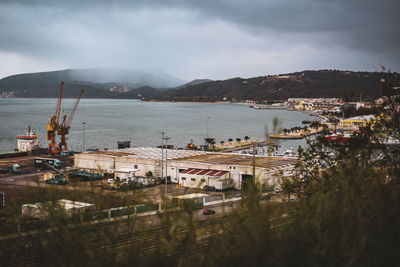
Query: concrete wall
{"points": [[99, 162], [144, 165], [199, 181]]}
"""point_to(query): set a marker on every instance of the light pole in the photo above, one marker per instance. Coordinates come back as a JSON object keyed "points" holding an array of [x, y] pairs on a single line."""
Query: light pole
{"points": [[162, 154], [166, 169], [83, 139]]}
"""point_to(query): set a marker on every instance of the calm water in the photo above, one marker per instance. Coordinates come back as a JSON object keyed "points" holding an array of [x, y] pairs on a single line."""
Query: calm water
{"points": [[108, 121]]}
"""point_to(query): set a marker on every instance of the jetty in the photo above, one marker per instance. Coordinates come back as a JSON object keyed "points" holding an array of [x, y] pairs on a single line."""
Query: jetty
{"points": [[296, 135], [237, 146]]}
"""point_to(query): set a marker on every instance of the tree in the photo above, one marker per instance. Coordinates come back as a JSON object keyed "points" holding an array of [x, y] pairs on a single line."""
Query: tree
{"points": [[315, 124], [290, 186]]}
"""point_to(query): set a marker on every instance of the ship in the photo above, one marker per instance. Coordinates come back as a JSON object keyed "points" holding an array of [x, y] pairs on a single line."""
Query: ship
{"points": [[28, 142], [338, 138]]}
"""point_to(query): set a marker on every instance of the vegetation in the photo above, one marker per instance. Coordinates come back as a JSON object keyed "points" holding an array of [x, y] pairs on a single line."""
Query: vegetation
{"points": [[322, 83], [347, 214]]}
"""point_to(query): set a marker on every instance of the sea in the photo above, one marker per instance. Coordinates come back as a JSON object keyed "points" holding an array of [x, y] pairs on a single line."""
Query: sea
{"points": [[100, 123]]}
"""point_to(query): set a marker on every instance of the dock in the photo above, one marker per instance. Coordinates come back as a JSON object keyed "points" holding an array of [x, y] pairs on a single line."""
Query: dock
{"points": [[237, 146], [296, 135]]}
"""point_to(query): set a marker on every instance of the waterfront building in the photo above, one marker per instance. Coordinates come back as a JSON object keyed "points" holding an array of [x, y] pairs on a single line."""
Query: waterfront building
{"points": [[356, 122], [189, 168]]}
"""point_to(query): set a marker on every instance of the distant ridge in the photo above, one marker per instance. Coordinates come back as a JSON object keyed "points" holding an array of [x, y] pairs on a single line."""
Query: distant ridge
{"points": [[158, 86], [310, 83], [98, 82], [194, 82]]}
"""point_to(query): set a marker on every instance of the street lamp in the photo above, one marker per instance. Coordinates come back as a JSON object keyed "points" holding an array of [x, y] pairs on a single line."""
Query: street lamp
{"points": [[162, 154], [166, 138]]}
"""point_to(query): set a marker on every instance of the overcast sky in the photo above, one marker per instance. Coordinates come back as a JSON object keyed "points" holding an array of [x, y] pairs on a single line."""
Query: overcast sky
{"points": [[200, 38]]}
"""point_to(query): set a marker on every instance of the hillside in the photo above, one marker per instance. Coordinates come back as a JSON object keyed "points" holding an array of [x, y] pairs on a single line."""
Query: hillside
{"points": [[98, 83], [322, 83], [131, 85], [194, 82]]}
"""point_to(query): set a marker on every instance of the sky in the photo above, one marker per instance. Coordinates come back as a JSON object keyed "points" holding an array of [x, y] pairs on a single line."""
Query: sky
{"points": [[215, 39]]}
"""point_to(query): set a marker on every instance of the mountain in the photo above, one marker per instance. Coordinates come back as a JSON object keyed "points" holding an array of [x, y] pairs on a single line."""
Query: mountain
{"points": [[194, 82], [96, 82], [321, 83], [158, 86]]}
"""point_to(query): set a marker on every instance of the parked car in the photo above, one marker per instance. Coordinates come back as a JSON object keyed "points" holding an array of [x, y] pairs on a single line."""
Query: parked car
{"points": [[110, 181], [208, 212]]}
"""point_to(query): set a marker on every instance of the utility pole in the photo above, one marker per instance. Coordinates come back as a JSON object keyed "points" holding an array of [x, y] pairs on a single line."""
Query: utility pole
{"points": [[166, 169], [162, 154], [254, 162]]}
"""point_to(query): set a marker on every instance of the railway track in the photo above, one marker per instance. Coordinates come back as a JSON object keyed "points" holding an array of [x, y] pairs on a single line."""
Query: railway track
{"points": [[154, 243]]}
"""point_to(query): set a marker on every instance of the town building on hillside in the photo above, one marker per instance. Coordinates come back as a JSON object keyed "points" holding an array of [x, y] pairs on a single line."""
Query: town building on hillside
{"points": [[356, 122]]}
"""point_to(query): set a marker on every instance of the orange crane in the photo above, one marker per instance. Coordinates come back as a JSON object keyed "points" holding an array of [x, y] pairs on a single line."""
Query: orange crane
{"points": [[63, 128], [53, 125]]}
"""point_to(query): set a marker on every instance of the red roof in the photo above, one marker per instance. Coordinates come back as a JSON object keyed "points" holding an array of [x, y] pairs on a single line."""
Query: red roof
{"points": [[194, 171], [202, 172], [26, 137]]}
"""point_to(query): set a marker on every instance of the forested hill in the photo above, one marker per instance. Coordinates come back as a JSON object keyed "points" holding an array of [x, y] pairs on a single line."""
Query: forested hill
{"points": [[97, 82], [133, 85], [322, 83]]}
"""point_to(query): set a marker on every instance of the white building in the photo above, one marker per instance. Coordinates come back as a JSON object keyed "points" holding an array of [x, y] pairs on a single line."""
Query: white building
{"points": [[189, 168], [66, 207]]}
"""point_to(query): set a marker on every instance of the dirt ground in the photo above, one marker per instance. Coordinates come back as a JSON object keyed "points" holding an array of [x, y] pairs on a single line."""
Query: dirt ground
{"points": [[27, 186]]}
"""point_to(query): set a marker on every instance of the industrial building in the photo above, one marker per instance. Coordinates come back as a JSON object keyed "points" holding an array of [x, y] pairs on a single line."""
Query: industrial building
{"points": [[67, 207], [195, 169]]}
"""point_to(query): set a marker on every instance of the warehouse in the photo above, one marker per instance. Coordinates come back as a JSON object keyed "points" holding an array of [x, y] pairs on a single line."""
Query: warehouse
{"points": [[189, 168], [66, 207], [200, 178]]}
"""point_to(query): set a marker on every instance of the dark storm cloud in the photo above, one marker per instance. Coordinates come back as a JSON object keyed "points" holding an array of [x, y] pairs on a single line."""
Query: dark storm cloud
{"points": [[75, 31]]}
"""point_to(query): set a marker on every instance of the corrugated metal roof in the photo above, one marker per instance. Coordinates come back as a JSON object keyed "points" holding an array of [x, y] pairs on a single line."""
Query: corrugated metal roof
{"points": [[155, 153], [193, 171]]}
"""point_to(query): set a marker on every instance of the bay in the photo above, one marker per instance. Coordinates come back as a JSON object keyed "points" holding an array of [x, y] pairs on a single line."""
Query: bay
{"points": [[110, 120]]}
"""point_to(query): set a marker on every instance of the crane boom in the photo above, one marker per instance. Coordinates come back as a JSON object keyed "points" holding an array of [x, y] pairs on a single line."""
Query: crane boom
{"points": [[63, 128], [71, 115], [58, 110]]}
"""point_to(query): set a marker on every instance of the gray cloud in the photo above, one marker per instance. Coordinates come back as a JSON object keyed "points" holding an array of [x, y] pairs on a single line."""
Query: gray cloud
{"points": [[191, 39]]}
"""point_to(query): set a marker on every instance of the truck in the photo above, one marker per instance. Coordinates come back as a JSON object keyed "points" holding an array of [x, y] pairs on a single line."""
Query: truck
{"points": [[56, 177], [85, 175], [14, 169], [41, 162]]}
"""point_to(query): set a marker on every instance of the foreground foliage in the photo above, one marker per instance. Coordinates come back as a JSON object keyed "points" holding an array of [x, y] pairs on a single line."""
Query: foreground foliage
{"points": [[347, 214]]}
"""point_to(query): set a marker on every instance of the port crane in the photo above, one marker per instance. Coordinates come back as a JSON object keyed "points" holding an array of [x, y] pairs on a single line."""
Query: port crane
{"points": [[55, 127], [53, 124]]}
